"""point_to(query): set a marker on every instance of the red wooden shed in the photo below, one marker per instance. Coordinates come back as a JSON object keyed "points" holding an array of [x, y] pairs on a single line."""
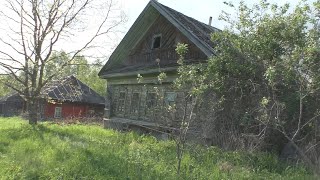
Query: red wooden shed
{"points": [[70, 98]]}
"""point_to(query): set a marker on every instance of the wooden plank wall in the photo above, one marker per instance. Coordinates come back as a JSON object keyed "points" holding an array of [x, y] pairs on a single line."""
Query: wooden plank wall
{"points": [[144, 53]]}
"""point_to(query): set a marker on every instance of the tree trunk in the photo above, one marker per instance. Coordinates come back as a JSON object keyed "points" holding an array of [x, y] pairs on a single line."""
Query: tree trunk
{"points": [[32, 111]]}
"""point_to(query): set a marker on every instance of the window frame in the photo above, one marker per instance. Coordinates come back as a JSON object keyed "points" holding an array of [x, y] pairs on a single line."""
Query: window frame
{"points": [[169, 102], [153, 100], [135, 107], [121, 106], [56, 114], [150, 110], [154, 40]]}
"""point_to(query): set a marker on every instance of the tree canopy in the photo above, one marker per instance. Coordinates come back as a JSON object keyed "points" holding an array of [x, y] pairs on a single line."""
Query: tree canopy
{"points": [[80, 67], [265, 75], [36, 29]]}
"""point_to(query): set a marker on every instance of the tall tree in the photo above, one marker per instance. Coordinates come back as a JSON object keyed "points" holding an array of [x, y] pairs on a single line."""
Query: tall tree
{"points": [[85, 71], [266, 75], [36, 28]]}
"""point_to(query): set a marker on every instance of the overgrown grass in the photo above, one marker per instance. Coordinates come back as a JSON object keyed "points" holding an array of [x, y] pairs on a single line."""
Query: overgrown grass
{"points": [[51, 151]]}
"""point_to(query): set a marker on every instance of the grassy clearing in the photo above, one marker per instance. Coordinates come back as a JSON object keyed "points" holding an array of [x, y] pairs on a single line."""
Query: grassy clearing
{"points": [[50, 151]]}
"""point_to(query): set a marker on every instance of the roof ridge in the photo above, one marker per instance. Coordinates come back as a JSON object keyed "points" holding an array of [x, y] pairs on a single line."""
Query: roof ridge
{"points": [[70, 88], [171, 12], [186, 16]]}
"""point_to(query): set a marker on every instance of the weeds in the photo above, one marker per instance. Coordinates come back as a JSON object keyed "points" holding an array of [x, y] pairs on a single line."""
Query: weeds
{"points": [[52, 151]]}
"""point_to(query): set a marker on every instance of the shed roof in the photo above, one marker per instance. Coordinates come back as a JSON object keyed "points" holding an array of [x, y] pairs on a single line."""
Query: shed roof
{"points": [[71, 89], [10, 96], [197, 32], [66, 89]]}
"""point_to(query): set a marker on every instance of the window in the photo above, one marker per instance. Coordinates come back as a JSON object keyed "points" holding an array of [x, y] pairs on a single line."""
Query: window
{"points": [[151, 100], [135, 101], [156, 43], [57, 112], [170, 98], [121, 102]]}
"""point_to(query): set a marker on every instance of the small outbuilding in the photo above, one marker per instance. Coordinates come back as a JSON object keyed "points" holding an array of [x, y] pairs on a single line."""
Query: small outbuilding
{"points": [[12, 105], [69, 98], [60, 99]]}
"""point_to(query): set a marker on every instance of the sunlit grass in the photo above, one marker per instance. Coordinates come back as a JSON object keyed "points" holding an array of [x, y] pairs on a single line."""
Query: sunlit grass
{"points": [[51, 151]]}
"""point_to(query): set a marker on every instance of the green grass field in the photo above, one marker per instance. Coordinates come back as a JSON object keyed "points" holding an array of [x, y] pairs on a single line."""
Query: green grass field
{"points": [[51, 151]]}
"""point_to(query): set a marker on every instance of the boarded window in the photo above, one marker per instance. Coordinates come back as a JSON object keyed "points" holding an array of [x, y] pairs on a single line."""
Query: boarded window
{"points": [[135, 101], [156, 41], [57, 112], [121, 101], [170, 98], [151, 100]]}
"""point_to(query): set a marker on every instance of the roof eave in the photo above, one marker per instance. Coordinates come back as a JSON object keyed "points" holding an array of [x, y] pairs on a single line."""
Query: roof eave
{"points": [[133, 73], [109, 63]]}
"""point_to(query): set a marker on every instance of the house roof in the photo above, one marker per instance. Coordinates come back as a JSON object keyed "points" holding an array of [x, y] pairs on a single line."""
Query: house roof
{"points": [[66, 89], [10, 96], [197, 32], [195, 29], [71, 89]]}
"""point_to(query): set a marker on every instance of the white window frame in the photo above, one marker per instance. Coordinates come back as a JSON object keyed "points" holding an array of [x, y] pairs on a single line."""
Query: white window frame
{"points": [[57, 112]]}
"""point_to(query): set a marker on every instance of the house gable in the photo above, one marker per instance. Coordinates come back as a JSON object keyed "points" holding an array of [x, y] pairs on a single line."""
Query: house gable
{"points": [[172, 26], [157, 47]]}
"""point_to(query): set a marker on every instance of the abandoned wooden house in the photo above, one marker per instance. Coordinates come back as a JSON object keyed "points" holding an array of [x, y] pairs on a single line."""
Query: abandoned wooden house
{"points": [[64, 98], [148, 48]]}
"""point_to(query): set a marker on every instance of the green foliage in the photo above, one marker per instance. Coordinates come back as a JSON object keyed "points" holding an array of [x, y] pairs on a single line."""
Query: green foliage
{"points": [[51, 151], [191, 77], [80, 67], [266, 66], [264, 75], [4, 90]]}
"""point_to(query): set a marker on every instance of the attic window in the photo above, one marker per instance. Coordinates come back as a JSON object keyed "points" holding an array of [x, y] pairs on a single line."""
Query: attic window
{"points": [[156, 43]]}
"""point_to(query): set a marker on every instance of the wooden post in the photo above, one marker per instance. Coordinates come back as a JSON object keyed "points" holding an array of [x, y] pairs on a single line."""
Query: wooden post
{"points": [[108, 103]]}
